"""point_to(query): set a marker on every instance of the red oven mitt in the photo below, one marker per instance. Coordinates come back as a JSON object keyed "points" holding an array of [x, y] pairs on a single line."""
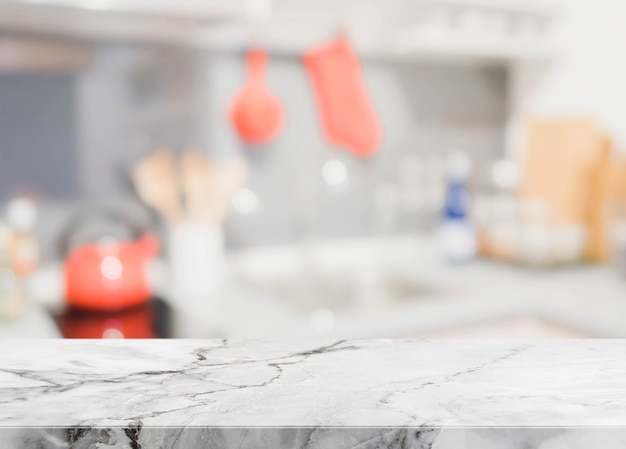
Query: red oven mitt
{"points": [[348, 116]]}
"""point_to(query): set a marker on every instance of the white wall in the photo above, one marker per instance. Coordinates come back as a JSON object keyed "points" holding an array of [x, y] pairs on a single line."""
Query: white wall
{"points": [[588, 75], [423, 109]]}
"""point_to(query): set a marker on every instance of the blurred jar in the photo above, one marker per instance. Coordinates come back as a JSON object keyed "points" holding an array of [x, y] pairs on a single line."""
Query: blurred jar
{"points": [[503, 231], [387, 199], [499, 224], [433, 191], [534, 237], [11, 295], [568, 243], [23, 248], [410, 192], [196, 276]]}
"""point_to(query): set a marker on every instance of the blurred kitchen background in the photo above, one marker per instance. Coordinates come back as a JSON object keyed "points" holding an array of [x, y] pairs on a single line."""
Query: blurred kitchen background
{"points": [[302, 168]]}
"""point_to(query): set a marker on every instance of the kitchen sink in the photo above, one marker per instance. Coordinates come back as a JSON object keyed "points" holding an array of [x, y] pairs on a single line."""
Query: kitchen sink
{"points": [[434, 309], [401, 289], [346, 291]]}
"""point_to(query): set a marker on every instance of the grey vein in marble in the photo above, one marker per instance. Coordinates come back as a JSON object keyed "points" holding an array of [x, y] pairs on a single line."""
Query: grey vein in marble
{"points": [[374, 393]]}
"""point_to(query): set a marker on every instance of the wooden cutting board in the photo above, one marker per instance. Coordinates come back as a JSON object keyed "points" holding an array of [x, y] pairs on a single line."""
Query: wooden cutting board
{"points": [[598, 247], [560, 159]]}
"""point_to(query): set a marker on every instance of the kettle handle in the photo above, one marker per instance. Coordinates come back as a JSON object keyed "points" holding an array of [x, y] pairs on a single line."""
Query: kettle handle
{"points": [[79, 219]]}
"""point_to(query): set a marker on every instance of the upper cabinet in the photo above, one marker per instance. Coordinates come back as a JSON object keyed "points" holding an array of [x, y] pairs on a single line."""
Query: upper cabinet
{"points": [[470, 30]]}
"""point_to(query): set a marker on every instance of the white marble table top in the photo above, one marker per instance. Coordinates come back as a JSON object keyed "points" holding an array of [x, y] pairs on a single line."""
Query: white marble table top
{"points": [[447, 383]]}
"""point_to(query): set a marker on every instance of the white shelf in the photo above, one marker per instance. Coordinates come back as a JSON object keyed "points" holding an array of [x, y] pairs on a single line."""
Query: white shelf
{"points": [[227, 24], [199, 9], [544, 8], [487, 48]]}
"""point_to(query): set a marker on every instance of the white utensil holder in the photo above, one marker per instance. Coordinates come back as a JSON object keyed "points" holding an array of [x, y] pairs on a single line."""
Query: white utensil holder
{"points": [[196, 254]]}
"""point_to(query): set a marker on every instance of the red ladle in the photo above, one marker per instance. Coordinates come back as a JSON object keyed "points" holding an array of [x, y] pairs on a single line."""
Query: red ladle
{"points": [[256, 113]]}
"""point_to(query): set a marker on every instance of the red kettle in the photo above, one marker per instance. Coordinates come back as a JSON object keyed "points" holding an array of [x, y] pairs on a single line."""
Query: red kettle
{"points": [[109, 274]]}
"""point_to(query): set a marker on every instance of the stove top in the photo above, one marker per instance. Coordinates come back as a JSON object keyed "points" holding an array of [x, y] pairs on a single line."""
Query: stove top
{"points": [[149, 320]]}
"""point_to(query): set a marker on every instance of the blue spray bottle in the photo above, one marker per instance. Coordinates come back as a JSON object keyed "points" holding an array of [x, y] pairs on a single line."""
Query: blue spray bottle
{"points": [[458, 234]]}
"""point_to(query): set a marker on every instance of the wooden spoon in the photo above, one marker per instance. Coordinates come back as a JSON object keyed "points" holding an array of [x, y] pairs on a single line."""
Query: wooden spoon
{"points": [[157, 184], [228, 179], [198, 180]]}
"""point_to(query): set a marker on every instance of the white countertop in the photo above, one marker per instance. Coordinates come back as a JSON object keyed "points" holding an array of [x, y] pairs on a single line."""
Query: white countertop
{"points": [[436, 386]]}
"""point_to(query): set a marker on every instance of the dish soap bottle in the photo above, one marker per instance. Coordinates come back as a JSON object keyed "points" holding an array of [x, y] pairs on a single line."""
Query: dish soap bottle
{"points": [[458, 234]]}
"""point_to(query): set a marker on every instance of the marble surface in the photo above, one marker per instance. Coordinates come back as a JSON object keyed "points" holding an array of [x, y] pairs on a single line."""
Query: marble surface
{"points": [[365, 393]]}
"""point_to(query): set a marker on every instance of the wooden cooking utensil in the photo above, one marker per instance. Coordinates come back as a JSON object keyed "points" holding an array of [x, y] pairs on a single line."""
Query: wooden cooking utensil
{"points": [[207, 188], [229, 177], [157, 185], [198, 180]]}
